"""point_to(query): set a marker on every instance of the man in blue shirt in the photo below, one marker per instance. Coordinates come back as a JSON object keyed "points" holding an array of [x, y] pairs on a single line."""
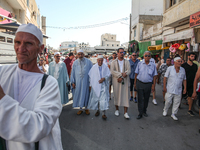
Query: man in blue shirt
{"points": [[133, 63], [145, 80]]}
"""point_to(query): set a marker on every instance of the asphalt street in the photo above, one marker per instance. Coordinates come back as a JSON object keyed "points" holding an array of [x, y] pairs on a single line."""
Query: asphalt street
{"points": [[155, 132]]}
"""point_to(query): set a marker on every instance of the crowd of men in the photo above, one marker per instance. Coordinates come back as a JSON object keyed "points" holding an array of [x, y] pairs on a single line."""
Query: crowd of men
{"points": [[32, 95]]}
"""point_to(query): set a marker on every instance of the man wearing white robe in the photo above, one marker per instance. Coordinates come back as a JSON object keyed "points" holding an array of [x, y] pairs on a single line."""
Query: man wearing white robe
{"points": [[58, 70], [29, 114], [80, 82], [99, 84]]}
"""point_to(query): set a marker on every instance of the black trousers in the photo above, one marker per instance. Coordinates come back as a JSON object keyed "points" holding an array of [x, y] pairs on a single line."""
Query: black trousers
{"points": [[143, 91]]}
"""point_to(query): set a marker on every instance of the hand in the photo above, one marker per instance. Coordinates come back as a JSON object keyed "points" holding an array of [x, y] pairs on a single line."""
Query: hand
{"points": [[153, 88], [2, 94], [73, 85], [90, 88], [164, 89], [67, 84], [135, 87], [119, 80], [101, 81], [124, 75], [194, 95], [185, 91], [158, 82]]}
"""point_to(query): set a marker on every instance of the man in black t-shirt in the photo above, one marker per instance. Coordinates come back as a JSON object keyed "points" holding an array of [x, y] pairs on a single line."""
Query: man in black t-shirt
{"points": [[190, 69]]}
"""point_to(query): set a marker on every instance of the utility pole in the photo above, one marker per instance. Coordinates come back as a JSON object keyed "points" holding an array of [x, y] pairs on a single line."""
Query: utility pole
{"points": [[130, 28]]}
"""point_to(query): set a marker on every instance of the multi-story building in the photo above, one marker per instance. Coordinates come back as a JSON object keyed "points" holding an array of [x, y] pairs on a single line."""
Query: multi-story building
{"points": [[24, 11], [180, 24], [83, 45], [109, 40], [144, 14], [177, 16], [108, 43], [69, 46]]}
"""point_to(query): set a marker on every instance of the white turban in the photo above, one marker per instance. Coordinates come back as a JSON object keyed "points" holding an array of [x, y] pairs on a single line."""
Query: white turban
{"points": [[32, 29], [56, 53], [177, 58], [100, 56], [80, 51]]}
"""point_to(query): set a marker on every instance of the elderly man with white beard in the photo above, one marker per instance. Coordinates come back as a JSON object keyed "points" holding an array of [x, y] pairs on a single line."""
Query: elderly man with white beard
{"points": [[30, 101], [99, 84]]}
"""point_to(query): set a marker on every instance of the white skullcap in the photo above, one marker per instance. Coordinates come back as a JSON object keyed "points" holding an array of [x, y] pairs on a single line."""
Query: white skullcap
{"points": [[32, 29], [56, 53], [177, 58], [100, 56], [80, 51]]}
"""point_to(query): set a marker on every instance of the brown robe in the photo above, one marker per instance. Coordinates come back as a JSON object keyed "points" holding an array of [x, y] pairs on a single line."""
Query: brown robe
{"points": [[121, 91]]}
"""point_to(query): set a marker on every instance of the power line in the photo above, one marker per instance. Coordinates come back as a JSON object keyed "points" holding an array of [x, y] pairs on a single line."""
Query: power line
{"points": [[89, 26]]}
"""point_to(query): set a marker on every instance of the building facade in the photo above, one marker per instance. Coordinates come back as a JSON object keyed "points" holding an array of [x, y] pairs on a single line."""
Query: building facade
{"points": [[172, 27], [24, 11], [144, 13], [69, 46]]}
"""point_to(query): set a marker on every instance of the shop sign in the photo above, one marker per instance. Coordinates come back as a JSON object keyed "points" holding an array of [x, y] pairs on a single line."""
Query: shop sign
{"points": [[195, 19], [186, 34]]}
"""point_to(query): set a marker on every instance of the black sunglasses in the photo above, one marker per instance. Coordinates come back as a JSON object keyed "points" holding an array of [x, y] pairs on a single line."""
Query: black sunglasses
{"points": [[147, 55], [134, 55]]}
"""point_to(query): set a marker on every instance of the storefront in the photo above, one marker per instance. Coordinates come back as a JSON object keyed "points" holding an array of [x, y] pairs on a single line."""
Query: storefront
{"points": [[180, 43]]}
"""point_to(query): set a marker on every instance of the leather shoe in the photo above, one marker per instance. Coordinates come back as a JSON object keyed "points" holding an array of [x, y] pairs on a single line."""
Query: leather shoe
{"points": [[79, 112], [145, 114], [104, 117], [97, 113], [139, 116], [87, 112]]}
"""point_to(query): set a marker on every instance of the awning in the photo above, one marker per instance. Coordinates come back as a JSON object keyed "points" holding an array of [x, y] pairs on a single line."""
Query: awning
{"points": [[166, 47], [156, 47], [10, 26], [186, 34]]}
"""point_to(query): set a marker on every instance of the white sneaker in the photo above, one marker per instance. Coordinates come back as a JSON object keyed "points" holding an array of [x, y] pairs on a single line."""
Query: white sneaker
{"points": [[164, 113], [154, 102], [174, 117], [126, 116], [116, 112]]}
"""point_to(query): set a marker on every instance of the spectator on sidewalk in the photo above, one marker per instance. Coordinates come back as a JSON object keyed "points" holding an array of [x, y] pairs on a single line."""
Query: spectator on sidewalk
{"points": [[42, 65]]}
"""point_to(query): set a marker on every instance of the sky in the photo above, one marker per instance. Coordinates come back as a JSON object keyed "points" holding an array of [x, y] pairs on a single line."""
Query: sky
{"points": [[73, 13]]}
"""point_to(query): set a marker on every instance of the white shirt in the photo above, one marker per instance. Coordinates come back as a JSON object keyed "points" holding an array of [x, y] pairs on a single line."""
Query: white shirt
{"points": [[121, 64], [25, 82], [56, 73], [175, 80], [46, 68]]}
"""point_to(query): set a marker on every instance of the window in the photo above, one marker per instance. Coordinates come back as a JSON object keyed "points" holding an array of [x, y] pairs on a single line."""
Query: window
{"points": [[112, 44], [111, 37], [117, 44], [135, 33], [9, 40], [27, 3], [170, 3], [2, 39], [107, 44]]}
